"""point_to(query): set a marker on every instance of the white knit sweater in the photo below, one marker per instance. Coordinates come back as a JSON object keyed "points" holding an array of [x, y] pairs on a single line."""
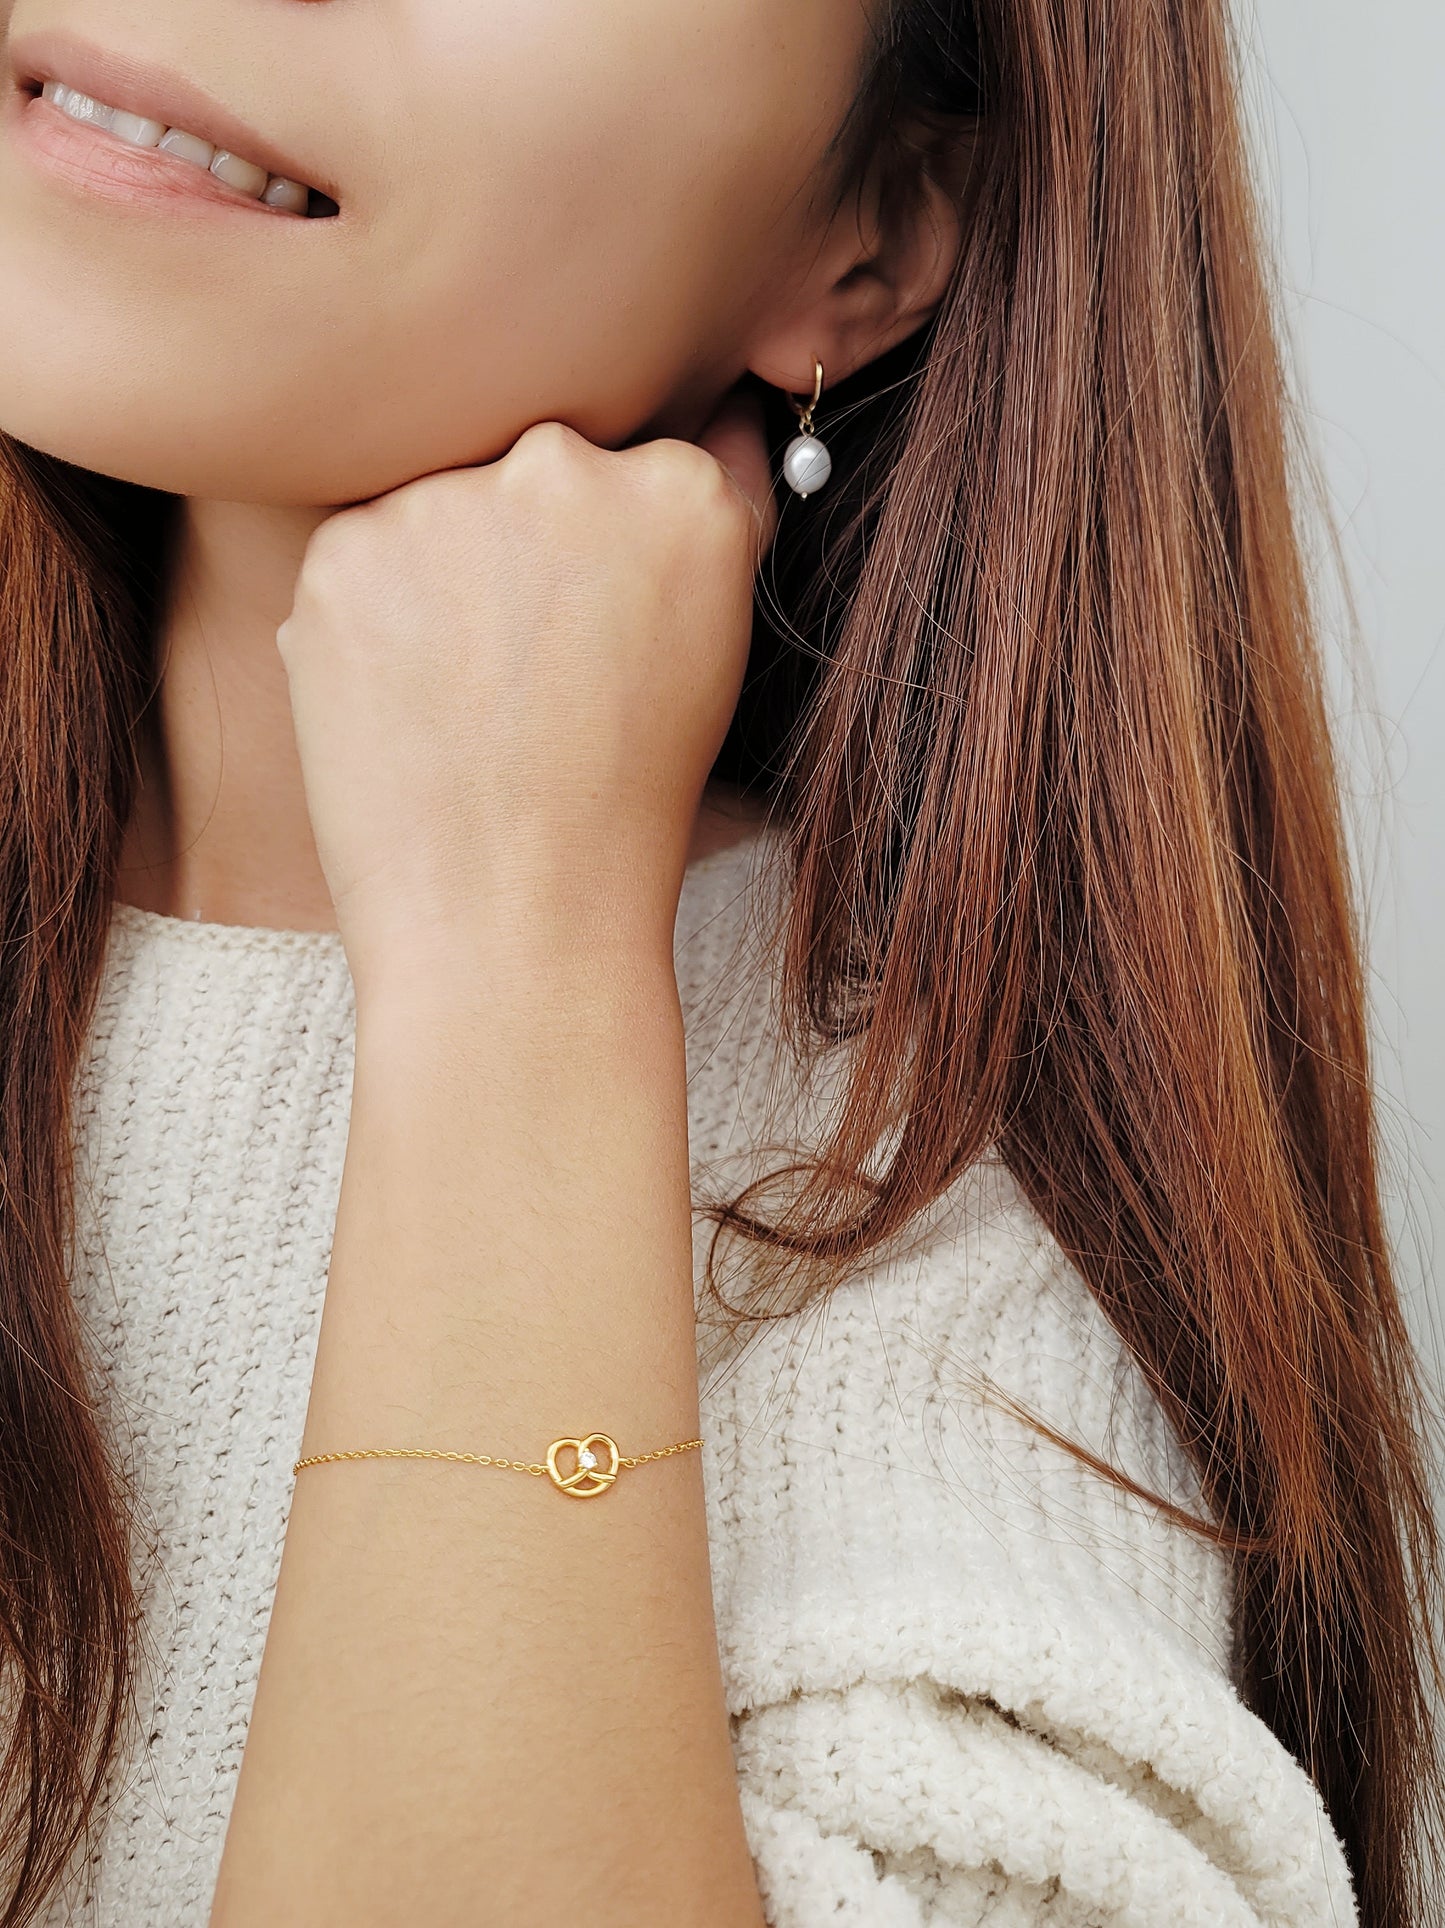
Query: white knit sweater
{"points": [[969, 1681]]}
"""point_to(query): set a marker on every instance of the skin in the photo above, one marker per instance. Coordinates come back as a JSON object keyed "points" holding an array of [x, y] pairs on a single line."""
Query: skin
{"points": [[458, 623]]}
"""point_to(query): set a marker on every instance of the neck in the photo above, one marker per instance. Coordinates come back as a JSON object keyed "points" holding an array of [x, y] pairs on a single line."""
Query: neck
{"points": [[220, 829]]}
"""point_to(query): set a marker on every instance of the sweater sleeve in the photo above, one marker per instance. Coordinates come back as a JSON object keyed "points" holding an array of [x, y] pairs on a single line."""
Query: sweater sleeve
{"points": [[903, 1804]]}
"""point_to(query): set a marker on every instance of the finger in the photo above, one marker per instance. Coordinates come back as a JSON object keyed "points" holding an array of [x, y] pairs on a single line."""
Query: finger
{"points": [[735, 437]]}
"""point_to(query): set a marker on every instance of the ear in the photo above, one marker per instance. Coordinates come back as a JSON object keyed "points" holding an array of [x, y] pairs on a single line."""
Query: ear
{"points": [[881, 272]]}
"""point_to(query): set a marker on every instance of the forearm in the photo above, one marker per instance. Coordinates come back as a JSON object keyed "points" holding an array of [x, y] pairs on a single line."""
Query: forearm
{"points": [[481, 1699]]}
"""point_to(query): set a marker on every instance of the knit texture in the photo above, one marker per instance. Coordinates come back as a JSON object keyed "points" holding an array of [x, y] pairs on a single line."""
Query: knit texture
{"points": [[968, 1680]]}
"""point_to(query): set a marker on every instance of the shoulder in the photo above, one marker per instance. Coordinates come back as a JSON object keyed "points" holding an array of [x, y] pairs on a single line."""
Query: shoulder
{"points": [[882, 1406], [874, 1404], [969, 1679]]}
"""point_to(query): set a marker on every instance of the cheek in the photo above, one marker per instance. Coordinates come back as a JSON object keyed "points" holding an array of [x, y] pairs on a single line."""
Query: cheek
{"points": [[555, 221], [592, 214], [205, 365], [342, 360]]}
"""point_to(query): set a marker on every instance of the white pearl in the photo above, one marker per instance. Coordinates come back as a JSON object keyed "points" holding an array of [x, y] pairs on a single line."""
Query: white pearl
{"points": [[807, 464]]}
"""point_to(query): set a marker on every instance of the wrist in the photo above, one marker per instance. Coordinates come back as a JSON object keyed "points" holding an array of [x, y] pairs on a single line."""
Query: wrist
{"points": [[510, 993], [529, 936]]}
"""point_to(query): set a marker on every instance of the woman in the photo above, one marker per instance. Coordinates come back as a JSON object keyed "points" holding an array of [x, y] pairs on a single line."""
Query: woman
{"points": [[422, 890]]}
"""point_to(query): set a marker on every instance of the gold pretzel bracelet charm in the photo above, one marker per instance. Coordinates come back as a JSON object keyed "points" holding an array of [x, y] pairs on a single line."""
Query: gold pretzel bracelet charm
{"points": [[587, 1477], [599, 1478]]}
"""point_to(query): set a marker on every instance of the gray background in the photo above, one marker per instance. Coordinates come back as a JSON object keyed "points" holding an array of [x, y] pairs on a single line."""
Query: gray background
{"points": [[1345, 111]]}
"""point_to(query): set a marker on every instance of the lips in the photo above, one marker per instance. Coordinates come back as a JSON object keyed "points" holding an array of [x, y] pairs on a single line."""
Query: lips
{"points": [[157, 94]]}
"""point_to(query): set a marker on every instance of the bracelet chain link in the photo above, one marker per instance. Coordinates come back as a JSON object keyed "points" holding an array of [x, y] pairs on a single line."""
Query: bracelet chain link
{"points": [[585, 1481]]}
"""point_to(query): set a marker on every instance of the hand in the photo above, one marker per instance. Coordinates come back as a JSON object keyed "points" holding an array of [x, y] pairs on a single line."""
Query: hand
{"points": [[509, 684]]}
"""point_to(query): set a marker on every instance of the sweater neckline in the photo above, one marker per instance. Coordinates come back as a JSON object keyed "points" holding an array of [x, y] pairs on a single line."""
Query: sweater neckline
{"points": [[203, 934]]}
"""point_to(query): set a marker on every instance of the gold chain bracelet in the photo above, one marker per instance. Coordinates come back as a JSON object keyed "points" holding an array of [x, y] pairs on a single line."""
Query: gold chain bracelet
{"points": [[585, 1481]]}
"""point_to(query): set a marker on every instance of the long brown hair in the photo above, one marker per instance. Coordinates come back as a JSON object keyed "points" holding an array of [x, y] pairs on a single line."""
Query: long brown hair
{"points": [[1068, 870]]}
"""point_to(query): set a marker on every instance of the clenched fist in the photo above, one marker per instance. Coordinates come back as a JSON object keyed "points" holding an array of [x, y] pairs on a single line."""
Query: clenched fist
{"points": [[509, 684]]}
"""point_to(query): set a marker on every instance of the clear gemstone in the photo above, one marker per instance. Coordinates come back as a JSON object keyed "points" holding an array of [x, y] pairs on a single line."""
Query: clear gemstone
{"points": [[587, 1458]]}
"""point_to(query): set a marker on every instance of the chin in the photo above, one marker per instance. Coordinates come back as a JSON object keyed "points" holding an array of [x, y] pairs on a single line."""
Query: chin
{"points": [[177, 423], [170, 471], [316, 433], [141, 441]]}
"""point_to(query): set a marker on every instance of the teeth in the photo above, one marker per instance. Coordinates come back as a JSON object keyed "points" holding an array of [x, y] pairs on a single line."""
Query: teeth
{"points": [[81, 107], [281, 193], [136, 129], [274, 190], [187, 147], [244, 175]]}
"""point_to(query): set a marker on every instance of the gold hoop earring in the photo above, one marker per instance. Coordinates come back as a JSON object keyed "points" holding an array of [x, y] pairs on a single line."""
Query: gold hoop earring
{"points": [[806, 461]]}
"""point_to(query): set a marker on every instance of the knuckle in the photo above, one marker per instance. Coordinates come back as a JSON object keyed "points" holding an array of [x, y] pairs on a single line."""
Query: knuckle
{"points": [[327, 540], [681, 468], [551, 443], [686, 489], [338, 538], [422, 511], [411, 504], [699, 499], [546, 468]]}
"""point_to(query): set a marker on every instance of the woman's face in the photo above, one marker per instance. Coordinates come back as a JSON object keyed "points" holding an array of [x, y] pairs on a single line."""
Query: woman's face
{"points": [[548, 208]]}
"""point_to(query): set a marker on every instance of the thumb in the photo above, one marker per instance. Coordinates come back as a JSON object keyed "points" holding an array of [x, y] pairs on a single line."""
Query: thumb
{"points": [[734, 435]]}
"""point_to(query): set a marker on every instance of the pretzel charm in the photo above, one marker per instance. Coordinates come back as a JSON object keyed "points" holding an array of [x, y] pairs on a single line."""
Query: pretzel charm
{"points": [[587, 1478]]}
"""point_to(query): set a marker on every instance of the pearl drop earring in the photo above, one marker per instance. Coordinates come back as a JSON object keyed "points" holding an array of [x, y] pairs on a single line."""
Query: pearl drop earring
{"points": [[806, 462]]}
